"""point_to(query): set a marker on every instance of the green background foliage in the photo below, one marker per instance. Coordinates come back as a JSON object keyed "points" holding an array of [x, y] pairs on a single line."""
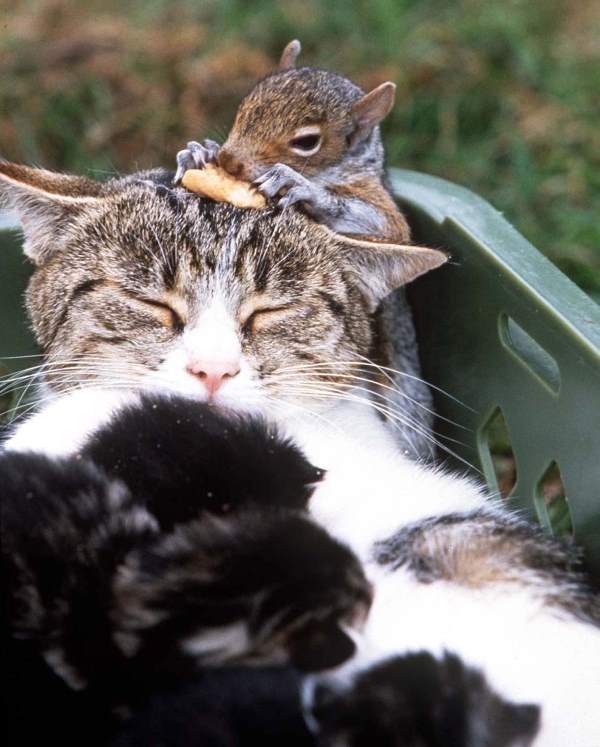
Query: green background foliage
{"points": [[502, 96]]}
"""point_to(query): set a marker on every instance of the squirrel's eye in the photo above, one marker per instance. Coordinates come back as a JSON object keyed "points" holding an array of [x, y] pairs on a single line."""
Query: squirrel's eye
{"points": [[306, 145]]}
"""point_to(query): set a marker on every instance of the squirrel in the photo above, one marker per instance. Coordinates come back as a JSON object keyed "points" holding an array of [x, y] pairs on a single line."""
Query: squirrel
{"points": [[311, 137]]}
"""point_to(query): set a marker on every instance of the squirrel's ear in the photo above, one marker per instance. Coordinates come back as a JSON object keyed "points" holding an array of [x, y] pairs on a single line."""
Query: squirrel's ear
{"points": [[288, 57], [384, 267], [369, 110], [45, 203]]}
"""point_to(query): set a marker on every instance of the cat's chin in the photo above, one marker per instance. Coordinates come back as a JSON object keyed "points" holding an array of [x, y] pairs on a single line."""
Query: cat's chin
{"points": [[250, 405]]}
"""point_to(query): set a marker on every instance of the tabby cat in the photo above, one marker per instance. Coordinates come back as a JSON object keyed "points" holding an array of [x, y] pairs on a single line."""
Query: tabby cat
{"points": [[145, 289]]}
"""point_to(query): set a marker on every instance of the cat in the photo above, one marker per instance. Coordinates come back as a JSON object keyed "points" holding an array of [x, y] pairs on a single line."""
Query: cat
{"points": [[139, 288], [129, 570]]}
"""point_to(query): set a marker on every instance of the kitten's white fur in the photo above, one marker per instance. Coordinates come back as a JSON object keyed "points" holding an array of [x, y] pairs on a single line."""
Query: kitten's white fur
{"points": [[529, 652]]}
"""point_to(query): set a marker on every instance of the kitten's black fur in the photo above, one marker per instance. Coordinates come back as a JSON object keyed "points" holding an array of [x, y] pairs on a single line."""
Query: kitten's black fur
{"points": [[193, 451], [121, 607], [232, 707], [419, 701]]}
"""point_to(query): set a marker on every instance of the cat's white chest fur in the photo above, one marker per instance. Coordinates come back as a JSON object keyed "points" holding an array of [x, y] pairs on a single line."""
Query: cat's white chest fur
{"points": [[62, 425], [371, 488]]}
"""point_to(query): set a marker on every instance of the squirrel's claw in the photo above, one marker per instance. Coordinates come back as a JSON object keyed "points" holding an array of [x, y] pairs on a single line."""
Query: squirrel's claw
{"points": [[184, 162], [212, 148], [195, 156], [295, 194], [280, 177]]}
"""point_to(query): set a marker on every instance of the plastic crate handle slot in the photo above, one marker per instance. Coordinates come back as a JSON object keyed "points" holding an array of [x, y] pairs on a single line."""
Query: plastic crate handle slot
{"points": [[529, 353]]}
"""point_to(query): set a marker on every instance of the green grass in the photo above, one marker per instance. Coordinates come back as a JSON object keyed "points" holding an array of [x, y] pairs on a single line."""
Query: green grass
{"points": [[500, 96]]}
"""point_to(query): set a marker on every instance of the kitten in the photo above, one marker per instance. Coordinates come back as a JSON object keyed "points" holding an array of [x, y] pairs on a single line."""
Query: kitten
{"points": [[415, 701], [127, 585], [162, 441], [143, 290]]}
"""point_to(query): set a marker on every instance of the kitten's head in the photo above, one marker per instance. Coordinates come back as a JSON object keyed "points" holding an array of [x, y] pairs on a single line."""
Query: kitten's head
{"points": [[141, 287]]}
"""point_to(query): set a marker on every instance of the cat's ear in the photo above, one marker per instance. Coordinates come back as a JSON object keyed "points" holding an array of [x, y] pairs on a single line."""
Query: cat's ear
{"points": [[45, 203], [384, 267], [369, 110], [288, 57]]}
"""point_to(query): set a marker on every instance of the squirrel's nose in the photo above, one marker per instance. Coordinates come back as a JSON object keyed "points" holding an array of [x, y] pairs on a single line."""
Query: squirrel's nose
{"points": [[230, 163], [213, 374]]}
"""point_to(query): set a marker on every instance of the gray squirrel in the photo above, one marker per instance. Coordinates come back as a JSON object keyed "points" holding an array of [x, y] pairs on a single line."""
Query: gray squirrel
{"points": [[311, 137]]}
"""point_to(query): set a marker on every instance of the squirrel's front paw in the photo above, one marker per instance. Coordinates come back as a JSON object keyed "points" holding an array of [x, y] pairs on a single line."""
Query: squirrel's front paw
{"points": [[283, 184], [195, 156]]}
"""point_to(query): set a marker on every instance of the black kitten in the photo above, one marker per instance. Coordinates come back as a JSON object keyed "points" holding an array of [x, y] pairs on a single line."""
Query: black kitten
{"points": [[419, 701], [123, 588], [178, 457]]}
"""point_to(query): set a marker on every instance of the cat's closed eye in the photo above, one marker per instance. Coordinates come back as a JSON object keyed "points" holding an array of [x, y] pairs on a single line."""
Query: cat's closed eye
{"points": [[263, 317], [165, 313]]}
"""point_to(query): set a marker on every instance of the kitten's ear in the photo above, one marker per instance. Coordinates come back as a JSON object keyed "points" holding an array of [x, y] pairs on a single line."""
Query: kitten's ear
{"points": [[288, 57], [384, 267], [369, 110], [45, 202]]}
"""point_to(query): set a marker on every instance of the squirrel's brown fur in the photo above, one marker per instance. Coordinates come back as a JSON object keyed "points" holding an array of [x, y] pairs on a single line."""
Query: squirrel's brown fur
{"points": [[339, 181]]}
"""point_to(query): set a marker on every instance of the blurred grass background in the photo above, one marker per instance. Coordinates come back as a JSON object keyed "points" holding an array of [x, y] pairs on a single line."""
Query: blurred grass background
{"points": [[500, 96]]}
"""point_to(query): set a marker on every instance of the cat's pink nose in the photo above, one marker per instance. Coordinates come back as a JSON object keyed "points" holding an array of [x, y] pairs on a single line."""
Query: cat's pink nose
{"points": [[213, 374]]}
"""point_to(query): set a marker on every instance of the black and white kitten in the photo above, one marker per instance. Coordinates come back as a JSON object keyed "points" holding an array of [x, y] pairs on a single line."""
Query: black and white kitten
{"points": [[417, 700]]}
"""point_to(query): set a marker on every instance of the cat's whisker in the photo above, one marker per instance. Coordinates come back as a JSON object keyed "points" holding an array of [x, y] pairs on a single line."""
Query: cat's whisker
{"points": [[325, 395], [14, 382], [13, 414], [374, 392], [366, 362], [23, 383], [305, 410], [33, 378], [20, 357], [289, 381], [9, 376], [69, 370], [331, 394], [394, 371]]}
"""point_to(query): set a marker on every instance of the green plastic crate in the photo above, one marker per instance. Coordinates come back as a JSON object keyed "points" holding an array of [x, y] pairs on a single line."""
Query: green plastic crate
{"points": [[500, 328]]}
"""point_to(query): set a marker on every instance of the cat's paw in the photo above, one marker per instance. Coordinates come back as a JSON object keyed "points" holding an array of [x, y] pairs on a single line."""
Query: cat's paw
{"points": [[195, 156], [284, 185]]}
